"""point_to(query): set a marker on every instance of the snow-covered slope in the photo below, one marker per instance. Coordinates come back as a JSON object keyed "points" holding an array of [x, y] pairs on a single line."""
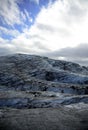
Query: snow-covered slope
{"points": [[17, 68], [40, 74]]}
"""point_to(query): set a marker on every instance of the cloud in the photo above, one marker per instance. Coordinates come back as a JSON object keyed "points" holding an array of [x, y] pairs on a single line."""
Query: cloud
{"points": [[27, 15], [6, 47], [9, 12], [9, 32], [77, 54], [35, 1], [80, 51], [62, 26], [16, 46]]}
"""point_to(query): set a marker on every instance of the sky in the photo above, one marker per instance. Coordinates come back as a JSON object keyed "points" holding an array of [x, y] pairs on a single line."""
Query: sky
{"points": [[53, 28]]}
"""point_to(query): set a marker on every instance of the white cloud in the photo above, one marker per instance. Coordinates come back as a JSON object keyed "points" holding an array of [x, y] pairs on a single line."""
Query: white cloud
{"points": [[10, 32], [27, 14], [62, 24], [9, 12], [35, 1], [6, 47]]}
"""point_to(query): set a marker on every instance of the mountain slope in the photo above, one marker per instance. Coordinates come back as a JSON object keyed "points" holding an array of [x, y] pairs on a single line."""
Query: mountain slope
{"points": [[21, 67], [57, 88]]}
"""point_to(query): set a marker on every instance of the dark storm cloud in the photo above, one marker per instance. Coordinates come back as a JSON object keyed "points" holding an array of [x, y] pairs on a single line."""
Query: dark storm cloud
{"points": [[77, 54], [81, 51], [5, 51]]}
